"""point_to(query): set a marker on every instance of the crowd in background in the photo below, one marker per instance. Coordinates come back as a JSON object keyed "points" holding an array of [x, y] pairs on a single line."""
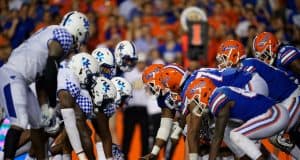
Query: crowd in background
{"points": [[154, 27]]}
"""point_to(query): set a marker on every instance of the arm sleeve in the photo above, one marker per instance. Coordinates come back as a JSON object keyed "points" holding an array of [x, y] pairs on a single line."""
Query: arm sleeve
{"points": [[85, 102], [288, 54], [66, 80], [64, 38], [217, 101], [247, 66], [161, 101]]}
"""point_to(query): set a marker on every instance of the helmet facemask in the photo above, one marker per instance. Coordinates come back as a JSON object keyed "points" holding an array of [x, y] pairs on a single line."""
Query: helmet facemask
{"points": [[198, 93], [122, 98], [107, 101], [154, 89], [107, 71], [89, 81], [200, 106], [128, 63], [265, 46], [266, 55], [104, 92], [223, 61]]}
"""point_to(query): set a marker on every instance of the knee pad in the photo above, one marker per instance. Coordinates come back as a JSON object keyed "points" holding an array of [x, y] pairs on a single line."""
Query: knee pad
{"points": [[234, 136]]}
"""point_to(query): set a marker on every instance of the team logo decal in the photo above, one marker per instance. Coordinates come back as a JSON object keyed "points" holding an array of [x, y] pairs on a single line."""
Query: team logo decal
{"points": [[86, 62]]}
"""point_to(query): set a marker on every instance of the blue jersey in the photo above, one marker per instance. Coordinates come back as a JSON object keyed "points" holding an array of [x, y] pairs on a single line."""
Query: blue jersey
{"points": [[1, 63], [246, 104], [161, 100], [225, 77], [285, 56], [279, 85]]}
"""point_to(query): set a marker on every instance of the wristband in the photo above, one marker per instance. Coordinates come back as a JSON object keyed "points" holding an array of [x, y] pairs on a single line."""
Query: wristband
{"points": [[193, 156], [81, 156], [155, 150]]}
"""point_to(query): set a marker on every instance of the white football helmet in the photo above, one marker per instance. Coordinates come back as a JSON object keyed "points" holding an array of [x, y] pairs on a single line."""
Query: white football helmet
{"points": [[124, 90], [104, 92], [85, 66], [77, 24], [106, 61], [126, 56]]}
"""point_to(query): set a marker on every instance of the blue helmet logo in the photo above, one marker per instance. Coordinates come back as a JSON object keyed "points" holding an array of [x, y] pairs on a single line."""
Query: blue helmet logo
{"points": [[100, 56], [121, 85], [105, 87], [85, 62], [86, 23]]}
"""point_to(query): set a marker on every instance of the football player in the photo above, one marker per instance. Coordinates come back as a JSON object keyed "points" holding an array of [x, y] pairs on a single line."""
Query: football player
{"points": [[124, 93], [225, 77], [125, 59], [283, 56], [74, 78], [287, 93], [125, 56], [152, 79], [24, 66], [103, 94], [260, 116], [106, 62]]}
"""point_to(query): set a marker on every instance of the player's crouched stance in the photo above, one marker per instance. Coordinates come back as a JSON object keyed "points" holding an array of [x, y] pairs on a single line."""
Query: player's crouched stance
{"points": [[75, 101], [24, 67], [168, 127], [108, 96], [90, 97], [259, 116]]}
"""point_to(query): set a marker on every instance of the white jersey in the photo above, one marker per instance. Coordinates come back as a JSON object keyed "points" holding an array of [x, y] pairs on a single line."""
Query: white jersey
{"points": [[67, 80], [30, 58]]}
